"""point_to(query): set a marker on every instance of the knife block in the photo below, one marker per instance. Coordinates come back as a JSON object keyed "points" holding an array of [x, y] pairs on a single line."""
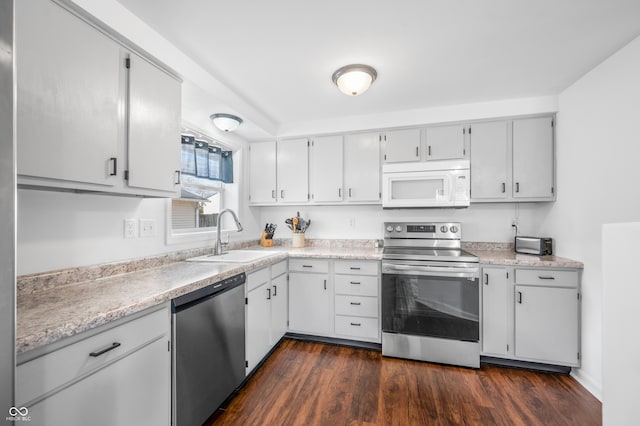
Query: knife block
{"points": [[264, 242]]}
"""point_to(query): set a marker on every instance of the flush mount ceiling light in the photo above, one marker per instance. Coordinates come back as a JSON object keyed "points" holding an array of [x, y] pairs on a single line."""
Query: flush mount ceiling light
{"points": [[354, 79], [226, 122]]}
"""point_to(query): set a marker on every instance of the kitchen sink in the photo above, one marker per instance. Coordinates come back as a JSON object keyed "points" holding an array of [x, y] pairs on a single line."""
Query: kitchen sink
{"points": [[233, 256]]}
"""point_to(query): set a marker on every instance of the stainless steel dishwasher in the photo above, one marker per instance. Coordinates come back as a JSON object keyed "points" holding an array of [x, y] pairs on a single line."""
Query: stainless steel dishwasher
{"points": [[208, 349]]}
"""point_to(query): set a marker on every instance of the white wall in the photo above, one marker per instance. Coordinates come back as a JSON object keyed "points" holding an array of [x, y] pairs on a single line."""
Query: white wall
{"points": [[480, 222], [598, 149]]}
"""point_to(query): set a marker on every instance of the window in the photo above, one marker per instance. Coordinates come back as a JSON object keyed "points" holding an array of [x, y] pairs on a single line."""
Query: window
{"points": [[207, 177]]}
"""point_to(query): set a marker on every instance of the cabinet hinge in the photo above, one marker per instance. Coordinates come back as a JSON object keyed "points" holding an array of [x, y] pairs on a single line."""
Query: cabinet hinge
{"points": [[308, 143], [308, 196], [552, 189], [578, 295], [168, 345], [379, 195], [313, 196], [246, 300], [551, 123], [578, 355], [127, 63], [287, 323], [464, 131], [379, 138], [249, 147], [469, 129], [246, 363], [507, 348], [249, 197], [507, 275], [126, 175], [464, 151], [385, 157]]}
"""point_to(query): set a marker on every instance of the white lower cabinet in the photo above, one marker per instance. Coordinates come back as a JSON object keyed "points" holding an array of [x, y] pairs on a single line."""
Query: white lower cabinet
{"points": [[335, 298], [310, 292], [119, 374], [531, 314], [266, 320]]}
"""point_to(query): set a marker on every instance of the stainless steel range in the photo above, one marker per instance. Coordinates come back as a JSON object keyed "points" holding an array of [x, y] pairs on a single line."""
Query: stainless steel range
{"points": [[430, 294]]}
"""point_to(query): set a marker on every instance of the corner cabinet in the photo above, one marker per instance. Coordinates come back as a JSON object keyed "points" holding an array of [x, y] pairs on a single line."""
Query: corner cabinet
{"points": [[531, 314], [116, 374], [89, 109], [513, 160]]}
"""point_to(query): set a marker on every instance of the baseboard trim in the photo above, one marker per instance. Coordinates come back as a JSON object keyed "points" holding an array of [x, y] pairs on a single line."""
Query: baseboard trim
{"points": [[588, 383], [335, 341]]}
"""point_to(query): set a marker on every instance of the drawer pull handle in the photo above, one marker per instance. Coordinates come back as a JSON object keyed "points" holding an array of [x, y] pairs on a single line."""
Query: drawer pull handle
{"points": [[356, 324], [520, 297], [355, 268], [486, 279], [275, 290], [546, 277], [356, 303], [104, 351], [354, 282], [307, 266], [268, 294]]}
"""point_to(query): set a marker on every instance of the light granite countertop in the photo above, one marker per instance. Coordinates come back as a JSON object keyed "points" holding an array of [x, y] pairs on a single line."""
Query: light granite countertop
{"points": [[53, 306]]}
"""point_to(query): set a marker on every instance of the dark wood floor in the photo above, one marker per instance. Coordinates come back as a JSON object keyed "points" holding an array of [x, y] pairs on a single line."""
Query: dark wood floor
{"points": [[306, 383]]}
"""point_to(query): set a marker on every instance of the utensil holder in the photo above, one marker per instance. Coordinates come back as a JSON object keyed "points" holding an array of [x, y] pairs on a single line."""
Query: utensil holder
{"points": [[297, 240], [264, 242]]}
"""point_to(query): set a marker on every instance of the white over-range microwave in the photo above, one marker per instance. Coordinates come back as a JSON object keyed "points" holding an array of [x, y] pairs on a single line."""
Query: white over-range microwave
{"points": [[426, 184]]}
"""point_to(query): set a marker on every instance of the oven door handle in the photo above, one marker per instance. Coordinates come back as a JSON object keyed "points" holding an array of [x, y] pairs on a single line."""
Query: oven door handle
{"points": [[431, 271]]}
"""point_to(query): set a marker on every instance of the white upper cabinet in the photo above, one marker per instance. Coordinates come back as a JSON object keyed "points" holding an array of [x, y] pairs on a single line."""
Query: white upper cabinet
{"points": [[292, 160], [401, 145], [533, 159], [68, 92], [262, 170], [513, 160], [445, 142], [362, 167], [325, 169], [154, 121], [83, 118], [489, 161]]}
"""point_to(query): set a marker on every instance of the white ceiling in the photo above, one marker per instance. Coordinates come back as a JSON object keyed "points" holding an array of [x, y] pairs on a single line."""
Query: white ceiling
{"points": [[279, 55]]}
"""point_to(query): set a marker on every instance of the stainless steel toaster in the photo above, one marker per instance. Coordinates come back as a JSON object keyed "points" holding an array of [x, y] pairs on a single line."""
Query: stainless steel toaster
{"points": [[534, 245]]}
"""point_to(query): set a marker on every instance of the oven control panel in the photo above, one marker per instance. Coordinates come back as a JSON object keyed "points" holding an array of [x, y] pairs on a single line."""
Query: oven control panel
{"points": [[422, 230]]}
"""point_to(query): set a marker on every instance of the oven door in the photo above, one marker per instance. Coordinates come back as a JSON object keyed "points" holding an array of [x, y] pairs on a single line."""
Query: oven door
{"points": [[436, 300]]}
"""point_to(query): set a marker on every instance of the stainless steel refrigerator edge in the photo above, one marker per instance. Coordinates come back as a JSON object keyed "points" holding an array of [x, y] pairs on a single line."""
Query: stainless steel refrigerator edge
{"points": [[7, 209]]}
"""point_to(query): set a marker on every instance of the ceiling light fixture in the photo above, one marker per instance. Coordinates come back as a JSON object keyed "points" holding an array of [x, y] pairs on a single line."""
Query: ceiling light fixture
{"points": [[354, 79], [226, 122]]}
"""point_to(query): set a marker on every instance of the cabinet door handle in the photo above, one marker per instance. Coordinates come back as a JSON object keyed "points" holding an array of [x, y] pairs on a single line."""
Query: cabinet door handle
{"points": [[325, 284], [282, 194], [356, 303], [356, 324], [417, 151], [114, 162], [339, 192], [275, 291], [268, 294], [520, 297], [354, 282], [273, 193], [546, 277], [504, 187], [486, 279], [517, 186], [429, 150], [105, 350], [349, 192], [176, 177]]}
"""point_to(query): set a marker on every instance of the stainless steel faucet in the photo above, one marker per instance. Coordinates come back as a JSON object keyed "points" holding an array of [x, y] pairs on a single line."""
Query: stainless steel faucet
{"points": [[218, 248]]}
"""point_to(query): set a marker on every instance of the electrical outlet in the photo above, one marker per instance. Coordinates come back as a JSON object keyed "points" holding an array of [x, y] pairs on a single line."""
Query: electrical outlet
{"points": [[147, 228], [514, 222], [130, 228]]}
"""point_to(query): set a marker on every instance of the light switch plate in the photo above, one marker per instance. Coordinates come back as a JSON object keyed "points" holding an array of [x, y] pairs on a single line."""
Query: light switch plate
{"points": [[147, 228]]}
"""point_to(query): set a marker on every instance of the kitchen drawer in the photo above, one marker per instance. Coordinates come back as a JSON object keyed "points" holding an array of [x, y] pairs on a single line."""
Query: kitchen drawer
{"points": [[357, 285], [358, 267], [309, 265], [366, 328], [70, 363], [357, 306], [547, 277], [256, 278], [278, 269]]}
